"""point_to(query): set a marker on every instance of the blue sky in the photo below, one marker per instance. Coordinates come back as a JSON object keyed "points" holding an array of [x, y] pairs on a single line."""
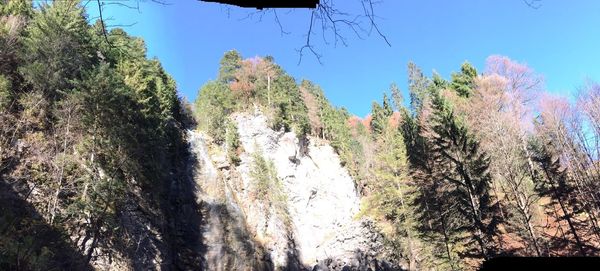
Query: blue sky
{"points": [[560, 40]]}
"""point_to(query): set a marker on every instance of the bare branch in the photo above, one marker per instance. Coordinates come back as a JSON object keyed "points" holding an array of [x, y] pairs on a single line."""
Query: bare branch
{"points": [[121, 25], [325, 16], [308, 45], [332, 23], [534, 4], [371, 15], [102, 23], [279, 23]]}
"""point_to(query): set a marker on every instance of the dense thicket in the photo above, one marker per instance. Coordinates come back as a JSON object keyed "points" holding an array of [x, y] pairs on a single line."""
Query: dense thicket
{"points": [[89, 126]]}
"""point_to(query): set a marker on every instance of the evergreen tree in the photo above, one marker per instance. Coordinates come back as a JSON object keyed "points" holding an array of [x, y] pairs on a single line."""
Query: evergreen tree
{"points": [[57, 47], [166, 92], [417, 86], [387, 106], [392, 198], [437, 219], [397, 98], [213, 106], [437, 83], [233, 144], [290, 111], [264, 174], [378, 118], [465, 169], [314, 106], [464, 81], [16, 7], [230, 63], [99, 117]]}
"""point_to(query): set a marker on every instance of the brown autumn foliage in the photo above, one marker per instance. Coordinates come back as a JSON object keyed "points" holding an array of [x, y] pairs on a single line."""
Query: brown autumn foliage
{"points": [[501, 113], [313, 111]]}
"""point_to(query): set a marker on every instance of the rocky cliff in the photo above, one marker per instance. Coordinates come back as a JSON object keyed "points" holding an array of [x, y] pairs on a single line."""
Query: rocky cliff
{"points": [[312, 222]]}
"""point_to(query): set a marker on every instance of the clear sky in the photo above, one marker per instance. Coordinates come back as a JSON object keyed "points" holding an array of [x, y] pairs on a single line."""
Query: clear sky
{"points": [[560, 40]]}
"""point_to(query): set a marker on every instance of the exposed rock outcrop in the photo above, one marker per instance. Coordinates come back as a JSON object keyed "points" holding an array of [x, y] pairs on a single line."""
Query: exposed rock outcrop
{"points": [[312, 226]]}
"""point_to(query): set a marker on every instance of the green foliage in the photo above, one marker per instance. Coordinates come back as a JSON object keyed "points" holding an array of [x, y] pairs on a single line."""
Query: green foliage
{"points": [[464, 81], [392, 196], [100, 123], [213, 105], [380, 115], [268, 188], [153, 88], [397, 98], [57, 47], [16, 7], [290, 111], [417, 86], [6, 95], [230, 63], [379, 119], [387, 106], [463, 170], [437, 83], [554, 182], [232, 140], [265, 178], [333, 124], [253, 83], [166, 92], [27, 242]]}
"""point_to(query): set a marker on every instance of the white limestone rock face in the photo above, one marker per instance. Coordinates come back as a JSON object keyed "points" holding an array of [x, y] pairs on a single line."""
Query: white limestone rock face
{"points": [[312, 226], [322, 199]]}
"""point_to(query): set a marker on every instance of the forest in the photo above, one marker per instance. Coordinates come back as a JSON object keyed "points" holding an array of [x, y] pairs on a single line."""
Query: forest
{"points": [[90, 128], [93, 151], [480, 165]]}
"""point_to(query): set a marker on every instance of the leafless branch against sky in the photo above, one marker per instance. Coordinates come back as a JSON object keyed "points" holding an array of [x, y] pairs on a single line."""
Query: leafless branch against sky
{"points": [[325, 18]]}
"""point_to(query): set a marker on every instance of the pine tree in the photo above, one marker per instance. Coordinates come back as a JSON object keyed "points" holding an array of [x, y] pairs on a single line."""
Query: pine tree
{"points": [[313, 106], [16, 7], [397, 98], [464, 81], [166, 92], [213, 105], [465, 169], [378, 118], [99, 117], [392, 198], [57, 47], [290, 111], [387, 106], [230, 63], [417, 86], [233, 144], [437, 219], [264, 174], [437, 83]]}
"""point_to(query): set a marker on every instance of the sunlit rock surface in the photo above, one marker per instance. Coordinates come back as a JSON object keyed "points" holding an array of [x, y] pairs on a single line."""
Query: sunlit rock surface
{"points": [[314, 227]]}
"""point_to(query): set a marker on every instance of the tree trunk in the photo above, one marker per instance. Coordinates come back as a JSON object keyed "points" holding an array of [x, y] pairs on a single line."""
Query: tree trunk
{"points": [[566, 214]]}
